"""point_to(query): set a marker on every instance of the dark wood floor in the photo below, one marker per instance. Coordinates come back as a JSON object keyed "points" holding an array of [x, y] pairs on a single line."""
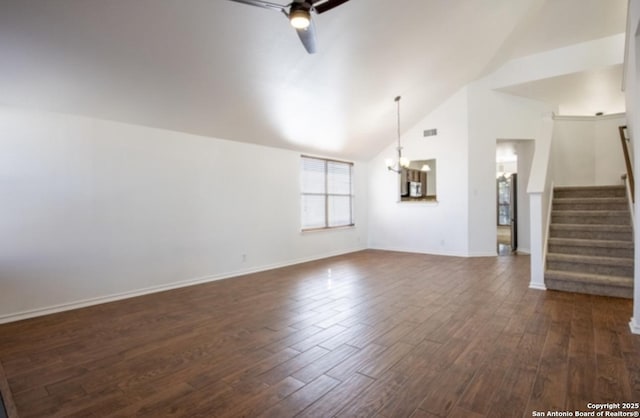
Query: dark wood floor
{"points": [[369, 334]]}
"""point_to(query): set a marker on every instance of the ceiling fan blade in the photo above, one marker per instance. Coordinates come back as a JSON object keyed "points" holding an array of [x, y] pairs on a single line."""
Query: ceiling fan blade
{"points": [[264, 5], [325, 5], [308, 37]]}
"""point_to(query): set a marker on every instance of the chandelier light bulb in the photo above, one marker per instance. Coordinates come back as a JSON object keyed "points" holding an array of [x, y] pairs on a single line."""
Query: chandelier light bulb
{"points": [[389, 162]]}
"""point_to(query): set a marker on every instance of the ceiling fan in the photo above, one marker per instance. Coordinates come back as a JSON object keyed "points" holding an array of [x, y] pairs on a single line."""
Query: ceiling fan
{"points": [[299, 14]]}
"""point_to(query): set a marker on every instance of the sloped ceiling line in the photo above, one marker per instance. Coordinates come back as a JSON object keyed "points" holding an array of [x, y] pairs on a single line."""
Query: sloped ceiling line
{"points": [[221, 69]]}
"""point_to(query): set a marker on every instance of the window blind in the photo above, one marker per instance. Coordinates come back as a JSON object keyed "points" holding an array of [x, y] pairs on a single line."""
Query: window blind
{"points": [[326, 193]]}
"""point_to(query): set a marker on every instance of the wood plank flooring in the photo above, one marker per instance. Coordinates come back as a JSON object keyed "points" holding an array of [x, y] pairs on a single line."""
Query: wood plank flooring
{"points": [[372, 333]]}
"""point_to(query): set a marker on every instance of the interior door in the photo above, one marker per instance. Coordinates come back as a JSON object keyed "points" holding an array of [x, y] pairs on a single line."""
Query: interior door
{"points": [[513, 210]]}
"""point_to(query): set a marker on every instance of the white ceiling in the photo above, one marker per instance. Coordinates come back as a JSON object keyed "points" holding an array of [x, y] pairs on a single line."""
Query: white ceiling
{"points": [[227, 70], [561, 23], [585, 93]]}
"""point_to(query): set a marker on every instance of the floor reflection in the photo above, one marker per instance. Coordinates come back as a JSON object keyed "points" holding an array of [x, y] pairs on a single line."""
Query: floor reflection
{"points": [[504, 249]]}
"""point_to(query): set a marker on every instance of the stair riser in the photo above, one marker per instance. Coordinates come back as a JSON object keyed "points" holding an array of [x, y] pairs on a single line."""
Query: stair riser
{"points": [[593, 213], [593, 251], [591, 206], [604, 219], [601, 235], [622, 271], [569, 194], [591, 289]]}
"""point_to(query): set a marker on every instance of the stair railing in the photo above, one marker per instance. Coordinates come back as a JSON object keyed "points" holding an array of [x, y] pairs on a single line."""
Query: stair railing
{"points": [[627, 161]]}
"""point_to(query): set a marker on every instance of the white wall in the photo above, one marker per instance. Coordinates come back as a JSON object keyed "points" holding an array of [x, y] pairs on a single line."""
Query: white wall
{"points": [[94, 209], [585, 56], [435, 228], [525, 151], [463, 222], [632, 96], [572, 152], [507, 167], [493, 116], [540, 190], [587, 151], [608, 149]]}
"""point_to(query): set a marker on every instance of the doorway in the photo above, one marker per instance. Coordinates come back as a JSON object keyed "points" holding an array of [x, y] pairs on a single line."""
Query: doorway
{"points": [[507, 210], [506, 197]]}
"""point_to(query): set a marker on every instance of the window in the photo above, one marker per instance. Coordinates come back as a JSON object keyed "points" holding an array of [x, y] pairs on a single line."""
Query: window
{"points": [[327, 193]]}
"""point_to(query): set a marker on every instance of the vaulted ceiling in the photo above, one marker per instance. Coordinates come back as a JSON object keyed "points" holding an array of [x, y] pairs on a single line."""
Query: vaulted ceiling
{"points": [[227, 70]]}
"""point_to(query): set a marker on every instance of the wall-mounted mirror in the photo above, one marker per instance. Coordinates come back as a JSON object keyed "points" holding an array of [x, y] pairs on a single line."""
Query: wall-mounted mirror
{"points": [[418, 181]]}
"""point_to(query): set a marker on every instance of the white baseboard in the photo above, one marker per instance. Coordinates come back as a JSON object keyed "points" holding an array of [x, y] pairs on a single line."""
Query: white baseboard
{"points": [[32, 313], [419, 251], [634, 326], [537, 286], [483, 254], [443, 253], [524, 251]]}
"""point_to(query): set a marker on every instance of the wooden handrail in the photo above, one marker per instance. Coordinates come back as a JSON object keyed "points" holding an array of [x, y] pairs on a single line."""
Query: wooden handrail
{"points": [[627, 161]]}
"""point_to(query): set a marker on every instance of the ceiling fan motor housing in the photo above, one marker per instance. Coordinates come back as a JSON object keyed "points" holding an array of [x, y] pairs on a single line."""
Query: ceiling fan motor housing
{"points": [[299, 15]]}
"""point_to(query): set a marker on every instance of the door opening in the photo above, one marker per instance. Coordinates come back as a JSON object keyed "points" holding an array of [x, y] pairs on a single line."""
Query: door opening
{"points": [[507, 196], [507, 210]]}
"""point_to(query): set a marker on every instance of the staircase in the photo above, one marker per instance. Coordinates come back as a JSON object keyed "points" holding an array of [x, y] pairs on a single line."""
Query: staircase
{"points": [[590, 247]]}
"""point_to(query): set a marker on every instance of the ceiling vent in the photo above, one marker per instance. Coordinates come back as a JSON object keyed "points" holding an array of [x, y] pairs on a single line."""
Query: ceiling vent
{"points": [[430, 132]]}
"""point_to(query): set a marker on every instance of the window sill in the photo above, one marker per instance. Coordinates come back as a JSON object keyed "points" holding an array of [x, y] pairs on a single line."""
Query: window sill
{"points": [[333, 228], [419, 202]]}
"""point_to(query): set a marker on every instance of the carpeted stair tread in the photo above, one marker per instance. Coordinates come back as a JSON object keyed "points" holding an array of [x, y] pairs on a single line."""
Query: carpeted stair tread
{"points": [[593, 284], [580, 242], [590, 203], [593, 231], [593, 260], [593, 191], [590, 246], [591, 217], [589, 278], [581, 188], [589, 199], [579, 213], [587, 227]]}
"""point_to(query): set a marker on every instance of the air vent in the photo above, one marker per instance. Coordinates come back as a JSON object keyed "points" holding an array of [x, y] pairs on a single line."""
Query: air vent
{"points": [[430, 132]]}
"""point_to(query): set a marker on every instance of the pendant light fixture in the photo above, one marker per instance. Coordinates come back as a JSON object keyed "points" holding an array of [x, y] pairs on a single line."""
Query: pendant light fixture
{"points": [[397, 166]]}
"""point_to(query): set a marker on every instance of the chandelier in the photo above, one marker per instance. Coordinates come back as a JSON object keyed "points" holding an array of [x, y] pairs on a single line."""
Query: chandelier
{"points": [[397, 166]]}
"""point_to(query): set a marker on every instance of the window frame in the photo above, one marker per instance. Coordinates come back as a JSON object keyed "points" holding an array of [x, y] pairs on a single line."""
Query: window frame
{"points": [[327, 195]]}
